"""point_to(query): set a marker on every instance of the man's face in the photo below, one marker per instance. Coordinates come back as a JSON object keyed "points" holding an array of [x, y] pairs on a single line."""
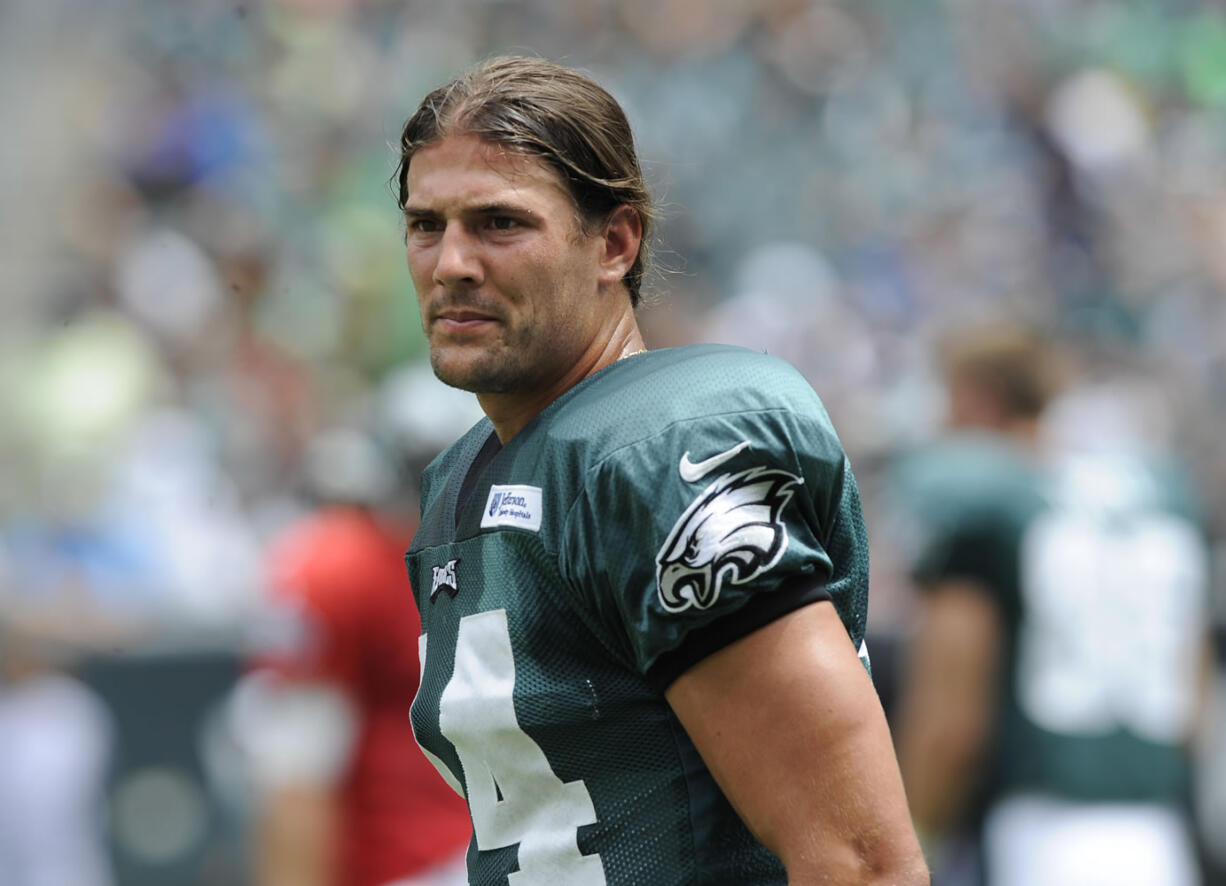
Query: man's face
{"points": [[507, 282]]}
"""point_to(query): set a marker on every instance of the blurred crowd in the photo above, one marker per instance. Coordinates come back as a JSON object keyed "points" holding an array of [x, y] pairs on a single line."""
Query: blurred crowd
{"points": [[202, 276]]}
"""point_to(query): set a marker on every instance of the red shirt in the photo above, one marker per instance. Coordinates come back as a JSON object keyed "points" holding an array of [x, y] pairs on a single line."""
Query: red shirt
{"points": [[344, 571]]}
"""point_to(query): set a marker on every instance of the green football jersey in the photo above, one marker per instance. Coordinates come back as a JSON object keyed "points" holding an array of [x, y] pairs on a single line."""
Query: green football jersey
{"points": [[658, 510], [1100, 575]]}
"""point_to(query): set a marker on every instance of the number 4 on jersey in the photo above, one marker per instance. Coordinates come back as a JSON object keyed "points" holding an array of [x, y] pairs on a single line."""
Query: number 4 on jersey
{"points": [[513, 794]]}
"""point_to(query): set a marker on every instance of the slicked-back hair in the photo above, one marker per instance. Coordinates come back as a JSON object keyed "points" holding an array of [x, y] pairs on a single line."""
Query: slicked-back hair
{"points": [[548, 111]]}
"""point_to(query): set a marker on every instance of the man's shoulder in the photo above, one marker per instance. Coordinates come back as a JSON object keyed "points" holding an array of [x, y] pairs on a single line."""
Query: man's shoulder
{"points": [[335, 546], [969, 475], [709, 368], [640, 396]]}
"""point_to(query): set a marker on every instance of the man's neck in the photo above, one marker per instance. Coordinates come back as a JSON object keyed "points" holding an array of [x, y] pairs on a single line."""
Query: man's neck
{"points": [[511, 412]]}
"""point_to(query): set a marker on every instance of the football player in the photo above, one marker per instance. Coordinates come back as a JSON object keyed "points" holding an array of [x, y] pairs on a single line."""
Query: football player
{"points": [[642, 577], [1052, 689], [321, 715]]}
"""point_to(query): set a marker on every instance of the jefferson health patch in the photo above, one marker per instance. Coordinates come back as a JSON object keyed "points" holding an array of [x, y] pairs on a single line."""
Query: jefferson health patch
{"points": [[518, 506]]}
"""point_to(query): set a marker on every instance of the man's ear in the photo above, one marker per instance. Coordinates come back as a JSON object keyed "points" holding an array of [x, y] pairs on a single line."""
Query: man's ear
{"points": [[623, 235]]}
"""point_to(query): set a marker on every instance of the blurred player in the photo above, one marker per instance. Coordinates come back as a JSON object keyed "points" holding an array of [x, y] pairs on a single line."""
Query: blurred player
{"points": [[346, 798], [643, 576], [57, 743], [1054, 678]]}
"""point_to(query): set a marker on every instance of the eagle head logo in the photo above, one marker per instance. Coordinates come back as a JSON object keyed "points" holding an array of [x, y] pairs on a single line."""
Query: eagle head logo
{"points": [[731, 532]]}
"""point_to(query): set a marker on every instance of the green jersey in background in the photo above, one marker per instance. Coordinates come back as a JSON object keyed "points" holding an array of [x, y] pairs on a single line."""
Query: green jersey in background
{"points": [[1099, 573]]}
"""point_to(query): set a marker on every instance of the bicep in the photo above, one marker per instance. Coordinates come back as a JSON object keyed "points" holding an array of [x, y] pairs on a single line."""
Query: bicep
{"points": [[789, 724]]}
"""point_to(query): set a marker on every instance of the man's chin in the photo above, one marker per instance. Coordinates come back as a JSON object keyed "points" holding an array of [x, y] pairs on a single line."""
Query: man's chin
{"points": [[472, 377]]}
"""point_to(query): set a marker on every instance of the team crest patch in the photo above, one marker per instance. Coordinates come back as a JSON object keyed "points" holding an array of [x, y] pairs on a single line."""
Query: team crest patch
{"points": [[444, 579], [731, 533], [518, 506]]}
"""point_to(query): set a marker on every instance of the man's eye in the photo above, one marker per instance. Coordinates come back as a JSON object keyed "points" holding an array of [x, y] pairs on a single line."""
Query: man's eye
{"points": [[423, 226], [503, 223]]}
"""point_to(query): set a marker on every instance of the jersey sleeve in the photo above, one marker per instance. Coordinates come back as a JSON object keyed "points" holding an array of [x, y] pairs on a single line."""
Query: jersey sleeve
{"points": [[963, 509], [684, 541], [959, 541]]}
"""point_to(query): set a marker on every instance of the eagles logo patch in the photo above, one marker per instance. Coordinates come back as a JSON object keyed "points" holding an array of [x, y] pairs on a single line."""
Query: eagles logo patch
{"points": [[444, 579], [731, 533]]}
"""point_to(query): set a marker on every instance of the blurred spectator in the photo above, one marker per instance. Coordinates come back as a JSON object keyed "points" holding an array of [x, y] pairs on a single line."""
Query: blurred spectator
{"points": [[56, 745], [1056, 673], [201, 177], [345, 798]]}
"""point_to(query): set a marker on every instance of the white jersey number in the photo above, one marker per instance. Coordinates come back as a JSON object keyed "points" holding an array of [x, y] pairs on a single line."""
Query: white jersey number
{"points": [[1111, 626], [513, 794]]}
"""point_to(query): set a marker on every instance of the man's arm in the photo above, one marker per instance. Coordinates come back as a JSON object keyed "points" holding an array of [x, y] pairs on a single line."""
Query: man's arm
{"points": [[788, 722], [298, 739], [947, 701], [297, 835]]}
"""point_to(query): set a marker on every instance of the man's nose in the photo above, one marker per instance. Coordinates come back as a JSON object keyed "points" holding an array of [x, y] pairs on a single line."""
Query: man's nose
{"points": [[458, 260]]}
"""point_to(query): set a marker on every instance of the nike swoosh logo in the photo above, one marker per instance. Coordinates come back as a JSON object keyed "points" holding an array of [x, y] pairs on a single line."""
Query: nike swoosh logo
{"points": [[692, 472]]}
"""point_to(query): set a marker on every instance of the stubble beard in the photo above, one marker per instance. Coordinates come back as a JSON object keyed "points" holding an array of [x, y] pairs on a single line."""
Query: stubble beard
{"points": [[498, 369], [483, 379]]}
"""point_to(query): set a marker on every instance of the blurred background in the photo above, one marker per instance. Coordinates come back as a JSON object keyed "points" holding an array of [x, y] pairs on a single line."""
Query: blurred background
{"points": [[201, 273]]}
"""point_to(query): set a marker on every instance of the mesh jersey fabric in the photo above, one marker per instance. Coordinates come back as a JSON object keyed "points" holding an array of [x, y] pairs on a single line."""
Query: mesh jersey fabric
{"points": [[668, 493], [340, 572], [1095, 607]]}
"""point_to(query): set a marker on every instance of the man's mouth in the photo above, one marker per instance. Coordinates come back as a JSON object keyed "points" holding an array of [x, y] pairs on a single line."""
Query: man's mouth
{"points": [[463, 319]]}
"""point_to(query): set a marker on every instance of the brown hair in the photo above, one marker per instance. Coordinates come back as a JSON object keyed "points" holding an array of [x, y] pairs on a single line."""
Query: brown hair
{"points": [[1012, 363], [551, 112]]}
